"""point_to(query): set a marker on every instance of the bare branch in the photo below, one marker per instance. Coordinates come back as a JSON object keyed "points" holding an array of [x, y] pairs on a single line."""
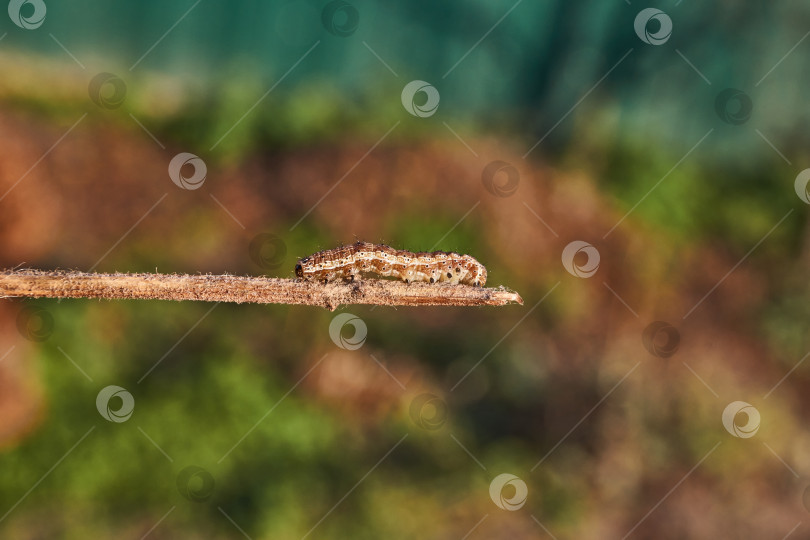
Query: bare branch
{"points": [[239, 289]]}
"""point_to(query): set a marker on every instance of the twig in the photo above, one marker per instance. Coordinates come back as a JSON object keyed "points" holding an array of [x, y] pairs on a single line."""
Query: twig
{"points": [[227, 288]]}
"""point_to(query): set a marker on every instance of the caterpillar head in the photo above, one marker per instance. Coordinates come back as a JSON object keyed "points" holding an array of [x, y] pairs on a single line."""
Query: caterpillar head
{"points": [[476, 272], [482, 275]]}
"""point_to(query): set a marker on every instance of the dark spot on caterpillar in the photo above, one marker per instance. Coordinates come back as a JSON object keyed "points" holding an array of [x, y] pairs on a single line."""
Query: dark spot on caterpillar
{"points": [[449, 275], [458, 270], [299, 270], [432, 280]]}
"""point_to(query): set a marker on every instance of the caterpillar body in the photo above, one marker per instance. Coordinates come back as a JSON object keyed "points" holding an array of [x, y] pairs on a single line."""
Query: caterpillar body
{"points": [[364, 258]]}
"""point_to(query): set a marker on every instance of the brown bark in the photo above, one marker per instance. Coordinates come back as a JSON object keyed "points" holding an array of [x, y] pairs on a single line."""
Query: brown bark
{"points": [[227, 288]]}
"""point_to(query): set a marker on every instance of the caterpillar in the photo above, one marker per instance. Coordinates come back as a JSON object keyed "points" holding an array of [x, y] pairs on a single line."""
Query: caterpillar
{"points": [[351, 262]]}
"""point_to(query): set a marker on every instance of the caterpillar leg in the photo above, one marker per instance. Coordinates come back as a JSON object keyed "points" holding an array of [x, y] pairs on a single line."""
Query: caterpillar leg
{"points": [[408, 275]]}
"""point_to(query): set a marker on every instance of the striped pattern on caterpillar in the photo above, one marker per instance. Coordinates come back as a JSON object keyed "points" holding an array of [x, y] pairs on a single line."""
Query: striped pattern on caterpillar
{"points": [[352, 262]]}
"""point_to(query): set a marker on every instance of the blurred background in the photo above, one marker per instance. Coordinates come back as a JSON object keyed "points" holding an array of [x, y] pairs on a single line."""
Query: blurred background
{"points": [[634, 171]]}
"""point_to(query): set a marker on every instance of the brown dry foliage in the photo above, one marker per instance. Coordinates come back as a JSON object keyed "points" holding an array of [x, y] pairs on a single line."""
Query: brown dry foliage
{"points": [[70, 209]]}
